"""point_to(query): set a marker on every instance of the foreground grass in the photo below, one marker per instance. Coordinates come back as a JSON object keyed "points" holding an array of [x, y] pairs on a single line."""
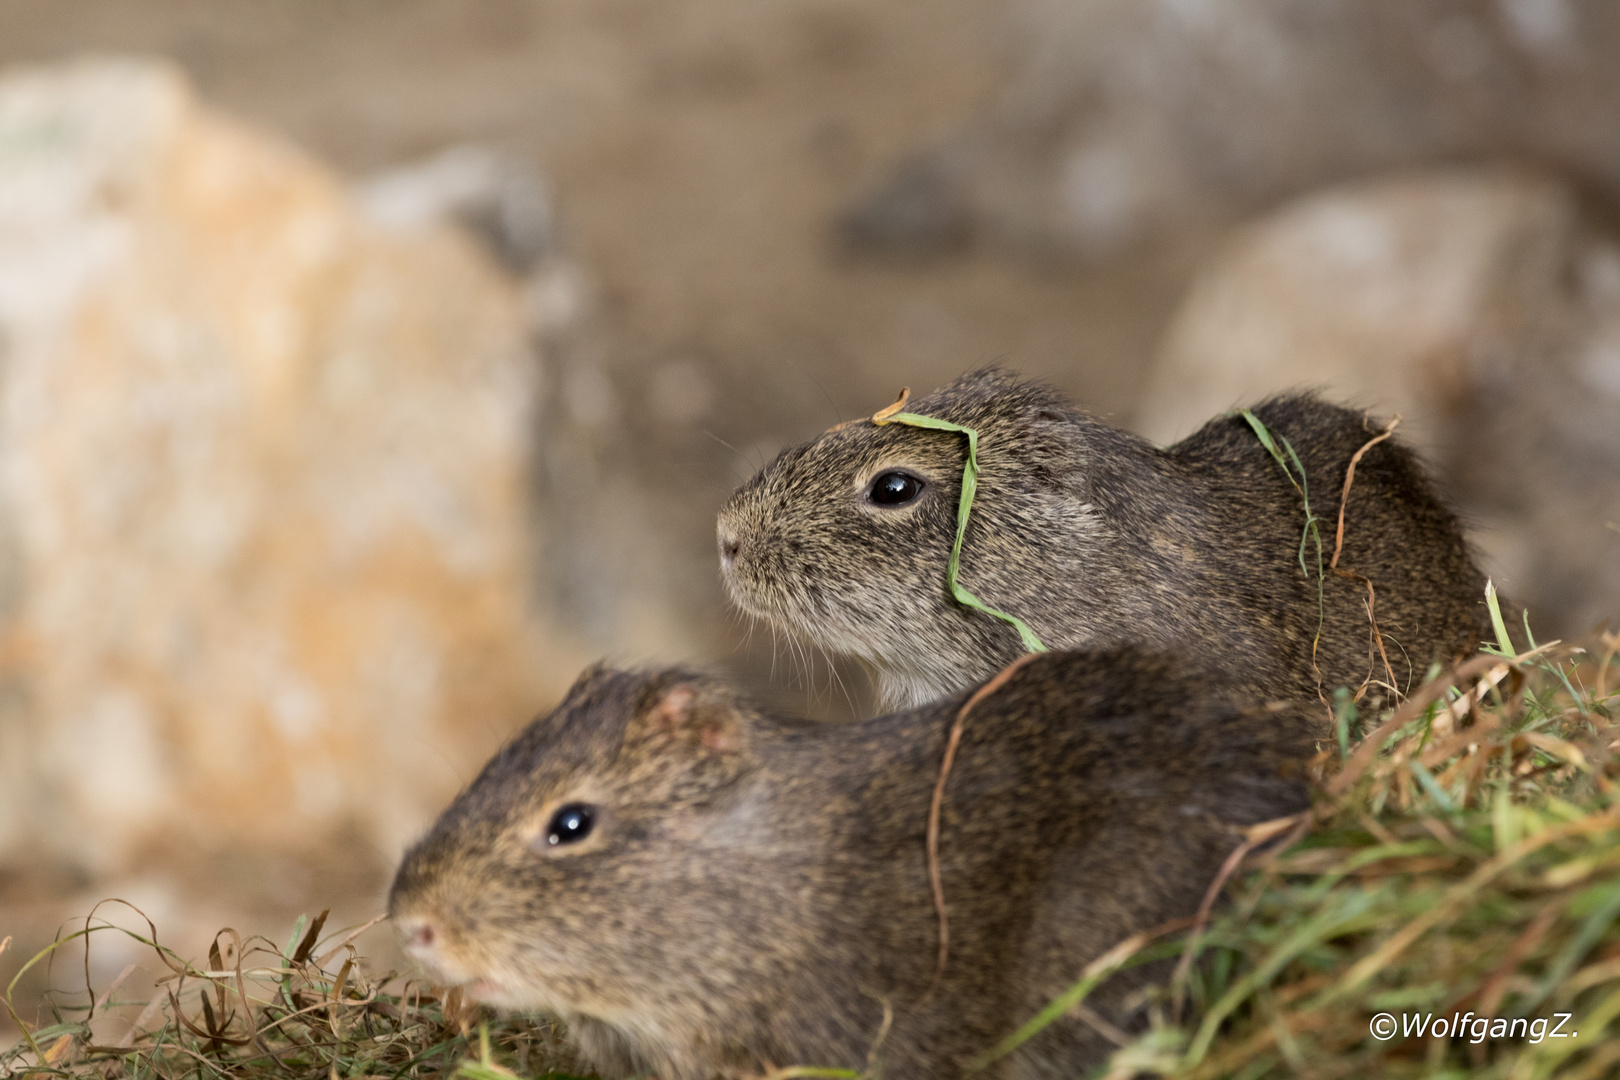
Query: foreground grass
{"points": [[1463, 857], [1460, 872], [262, 1010]]}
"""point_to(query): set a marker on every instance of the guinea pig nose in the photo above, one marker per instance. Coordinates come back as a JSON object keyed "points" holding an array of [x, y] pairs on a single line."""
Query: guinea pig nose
{"points": [[729, 547], [418, 935]]}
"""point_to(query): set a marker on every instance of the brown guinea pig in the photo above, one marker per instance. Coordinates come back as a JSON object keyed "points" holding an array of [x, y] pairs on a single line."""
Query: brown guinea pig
{"points": [[698, 888], [1094, 537]]}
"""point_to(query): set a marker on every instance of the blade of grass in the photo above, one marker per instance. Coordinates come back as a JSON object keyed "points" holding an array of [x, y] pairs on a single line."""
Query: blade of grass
{"points": [[964, 506], [1093, 974]]}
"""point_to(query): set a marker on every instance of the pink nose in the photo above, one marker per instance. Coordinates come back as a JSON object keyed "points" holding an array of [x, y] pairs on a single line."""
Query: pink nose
{"points": [[418, 936]]}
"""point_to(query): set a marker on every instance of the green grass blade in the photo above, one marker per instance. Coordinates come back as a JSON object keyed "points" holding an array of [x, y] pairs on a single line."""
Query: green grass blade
{"points": [[964, 507], [1504, 644]]}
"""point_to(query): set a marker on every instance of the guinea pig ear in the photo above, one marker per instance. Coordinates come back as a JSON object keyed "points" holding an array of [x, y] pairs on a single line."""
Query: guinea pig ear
{"points": [[1051, 445], [682, 714]]}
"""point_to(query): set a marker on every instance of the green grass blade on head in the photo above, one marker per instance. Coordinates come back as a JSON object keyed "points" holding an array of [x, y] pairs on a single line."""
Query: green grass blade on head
{"points": [[964, 506]]}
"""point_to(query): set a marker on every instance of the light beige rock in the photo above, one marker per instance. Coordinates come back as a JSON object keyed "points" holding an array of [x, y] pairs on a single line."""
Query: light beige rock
{"points": [[1395, 292], [263, 488], [1484, 306]]}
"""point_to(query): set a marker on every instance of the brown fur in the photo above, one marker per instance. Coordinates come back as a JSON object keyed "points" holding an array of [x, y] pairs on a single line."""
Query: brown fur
{"points": [[1095, 537], [755, 892]]}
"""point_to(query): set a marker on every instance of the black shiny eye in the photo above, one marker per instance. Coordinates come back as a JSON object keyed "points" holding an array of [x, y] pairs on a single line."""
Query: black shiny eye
{"points": [[894, 488], [570, 824]]}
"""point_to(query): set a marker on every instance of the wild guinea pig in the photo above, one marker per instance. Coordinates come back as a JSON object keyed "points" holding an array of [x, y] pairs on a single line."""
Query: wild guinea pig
{"points": [[1093, 536], [699, 888]]}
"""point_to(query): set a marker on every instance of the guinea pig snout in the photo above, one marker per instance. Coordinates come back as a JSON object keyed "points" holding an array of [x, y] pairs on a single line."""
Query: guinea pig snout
{"points": [[425, 941], [418, 935], [730, 546]]}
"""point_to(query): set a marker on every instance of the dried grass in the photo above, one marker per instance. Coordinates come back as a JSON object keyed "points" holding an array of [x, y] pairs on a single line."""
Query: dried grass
{"points": [[259, 1011], [1463, 857]]}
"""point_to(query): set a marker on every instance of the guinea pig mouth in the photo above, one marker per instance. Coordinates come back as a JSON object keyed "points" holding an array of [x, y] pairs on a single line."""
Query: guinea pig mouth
{"points": [[485, 989], [517, 994], [744, 589], [742, 594]]}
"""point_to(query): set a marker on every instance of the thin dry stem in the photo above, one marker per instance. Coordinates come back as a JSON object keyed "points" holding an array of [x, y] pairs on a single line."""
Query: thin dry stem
{"points": [[1257, 835], [938, 802]]}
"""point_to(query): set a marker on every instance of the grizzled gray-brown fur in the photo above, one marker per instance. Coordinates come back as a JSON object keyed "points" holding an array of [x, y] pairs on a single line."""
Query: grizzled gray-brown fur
{"points": [[1095, 537], [698, 888]]}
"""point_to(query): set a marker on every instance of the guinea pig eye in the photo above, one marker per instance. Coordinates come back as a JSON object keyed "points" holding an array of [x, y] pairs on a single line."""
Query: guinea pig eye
{"points": [[894, 488], [570, 825]]}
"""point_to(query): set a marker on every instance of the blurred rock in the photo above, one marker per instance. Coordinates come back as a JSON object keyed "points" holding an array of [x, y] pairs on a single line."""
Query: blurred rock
{"points": [[1481, 304], [498, 196], [1399, 290], [1124, 119], [264, 476], [610, 572], [606, 571]]}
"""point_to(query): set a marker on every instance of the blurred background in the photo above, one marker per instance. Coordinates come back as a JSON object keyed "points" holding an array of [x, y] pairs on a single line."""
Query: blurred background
{"points": [[369, 366]]}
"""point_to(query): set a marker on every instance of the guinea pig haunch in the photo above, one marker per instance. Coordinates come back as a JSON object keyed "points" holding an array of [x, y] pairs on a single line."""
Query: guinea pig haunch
{"points": [[697, 887], [1094, 537]]}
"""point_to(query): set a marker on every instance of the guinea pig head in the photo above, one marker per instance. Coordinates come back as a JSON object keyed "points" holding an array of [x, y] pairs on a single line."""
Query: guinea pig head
{"points": [[590, 870], [844, 541]]}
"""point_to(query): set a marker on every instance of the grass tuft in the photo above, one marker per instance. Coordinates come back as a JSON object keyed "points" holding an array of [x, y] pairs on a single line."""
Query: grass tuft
{"points": [[307, 1010], [1462, 857]]}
